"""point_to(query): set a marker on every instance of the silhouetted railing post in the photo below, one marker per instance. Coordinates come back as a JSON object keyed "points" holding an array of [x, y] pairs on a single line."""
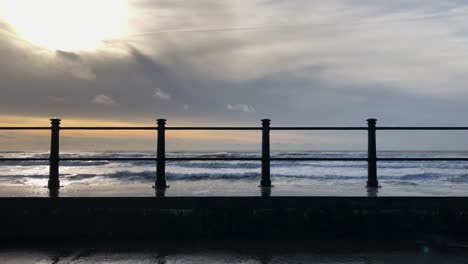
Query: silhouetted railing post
{"points": [[372, 154], [54, 181], [161, 155], [266, 181]]}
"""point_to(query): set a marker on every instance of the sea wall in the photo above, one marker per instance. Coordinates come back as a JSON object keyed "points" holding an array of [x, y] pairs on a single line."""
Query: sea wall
{"points": [[174, 217]]}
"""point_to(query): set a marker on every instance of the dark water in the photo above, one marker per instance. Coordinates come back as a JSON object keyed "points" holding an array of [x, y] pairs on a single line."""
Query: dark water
{"points": [[404, 173], [337, 251]]}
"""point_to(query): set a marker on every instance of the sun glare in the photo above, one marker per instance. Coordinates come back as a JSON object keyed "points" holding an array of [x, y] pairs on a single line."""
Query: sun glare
{"points": [[66, 24]]}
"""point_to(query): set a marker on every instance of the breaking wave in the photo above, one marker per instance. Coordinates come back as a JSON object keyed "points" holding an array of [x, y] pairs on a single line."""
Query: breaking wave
{"points": [[92, 172]]}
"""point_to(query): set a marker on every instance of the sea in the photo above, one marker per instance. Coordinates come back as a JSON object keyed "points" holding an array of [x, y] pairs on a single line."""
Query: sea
{"points": [[442, 176]]}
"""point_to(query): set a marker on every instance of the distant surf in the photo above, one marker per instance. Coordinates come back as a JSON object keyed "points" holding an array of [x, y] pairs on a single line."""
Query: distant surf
{"points": [[125, 172]]}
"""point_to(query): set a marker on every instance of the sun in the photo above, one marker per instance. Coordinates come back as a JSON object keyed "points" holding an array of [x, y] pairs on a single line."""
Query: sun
{"points": [[66, 24]]}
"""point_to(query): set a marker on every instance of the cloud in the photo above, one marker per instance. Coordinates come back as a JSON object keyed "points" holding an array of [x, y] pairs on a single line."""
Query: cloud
{"points": [[186, 107], [155, 71], [68, 55], [102, 99], [161, 94], [56, 99], [77, 67], [84, 73], [241, 107]]}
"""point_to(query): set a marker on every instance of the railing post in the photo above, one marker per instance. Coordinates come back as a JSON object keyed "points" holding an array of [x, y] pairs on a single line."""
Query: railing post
{"points": [[372, 154], [161, 155], [54, 181], [266, 181]]}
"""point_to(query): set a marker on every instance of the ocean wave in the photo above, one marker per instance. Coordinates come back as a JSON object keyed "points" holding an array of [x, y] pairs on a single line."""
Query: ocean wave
{"points": [[62, 163], [87, 172], [426, 165], [151, 175], [452, 165], [83, 163], [147, 176], [424, 176], [216, 165]]}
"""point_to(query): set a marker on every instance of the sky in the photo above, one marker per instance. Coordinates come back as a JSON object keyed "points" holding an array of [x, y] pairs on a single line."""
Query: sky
{"points": [[233, 63]]}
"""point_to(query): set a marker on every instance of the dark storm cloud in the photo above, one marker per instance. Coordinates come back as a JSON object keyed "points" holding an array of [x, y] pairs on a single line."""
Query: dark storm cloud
{"points": [[6, 28], [307, 62], [157, 73], [68, 55]]}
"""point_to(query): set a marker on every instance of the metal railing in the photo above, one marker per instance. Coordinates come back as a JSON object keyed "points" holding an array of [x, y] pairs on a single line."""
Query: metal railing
{"points": [[160, 159]]}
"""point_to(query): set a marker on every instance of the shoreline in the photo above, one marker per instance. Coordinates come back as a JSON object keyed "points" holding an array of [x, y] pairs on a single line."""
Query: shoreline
{"points": [[239, 188]]}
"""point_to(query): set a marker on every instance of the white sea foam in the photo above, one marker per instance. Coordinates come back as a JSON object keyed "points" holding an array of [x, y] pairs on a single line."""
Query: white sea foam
{"points": [[118, 172]]}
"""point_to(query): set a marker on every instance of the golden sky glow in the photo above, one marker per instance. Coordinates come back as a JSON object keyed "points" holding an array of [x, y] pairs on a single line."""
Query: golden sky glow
{"points": [[95, 140], [66, 24], [113, 139]]}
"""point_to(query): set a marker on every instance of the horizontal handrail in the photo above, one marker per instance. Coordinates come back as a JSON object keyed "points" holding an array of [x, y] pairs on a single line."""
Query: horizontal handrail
{"points": [[154, 159], [236, 159], [25, 128], [24, 159], [421, 128], [106, 159], [213, 128], [108, 128], [213, 159], [422, 159], [235, 128], [318, 128]]}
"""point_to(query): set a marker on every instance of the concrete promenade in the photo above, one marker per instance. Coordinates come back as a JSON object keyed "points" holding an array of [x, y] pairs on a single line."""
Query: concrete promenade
{"points": [[199, 217]]}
